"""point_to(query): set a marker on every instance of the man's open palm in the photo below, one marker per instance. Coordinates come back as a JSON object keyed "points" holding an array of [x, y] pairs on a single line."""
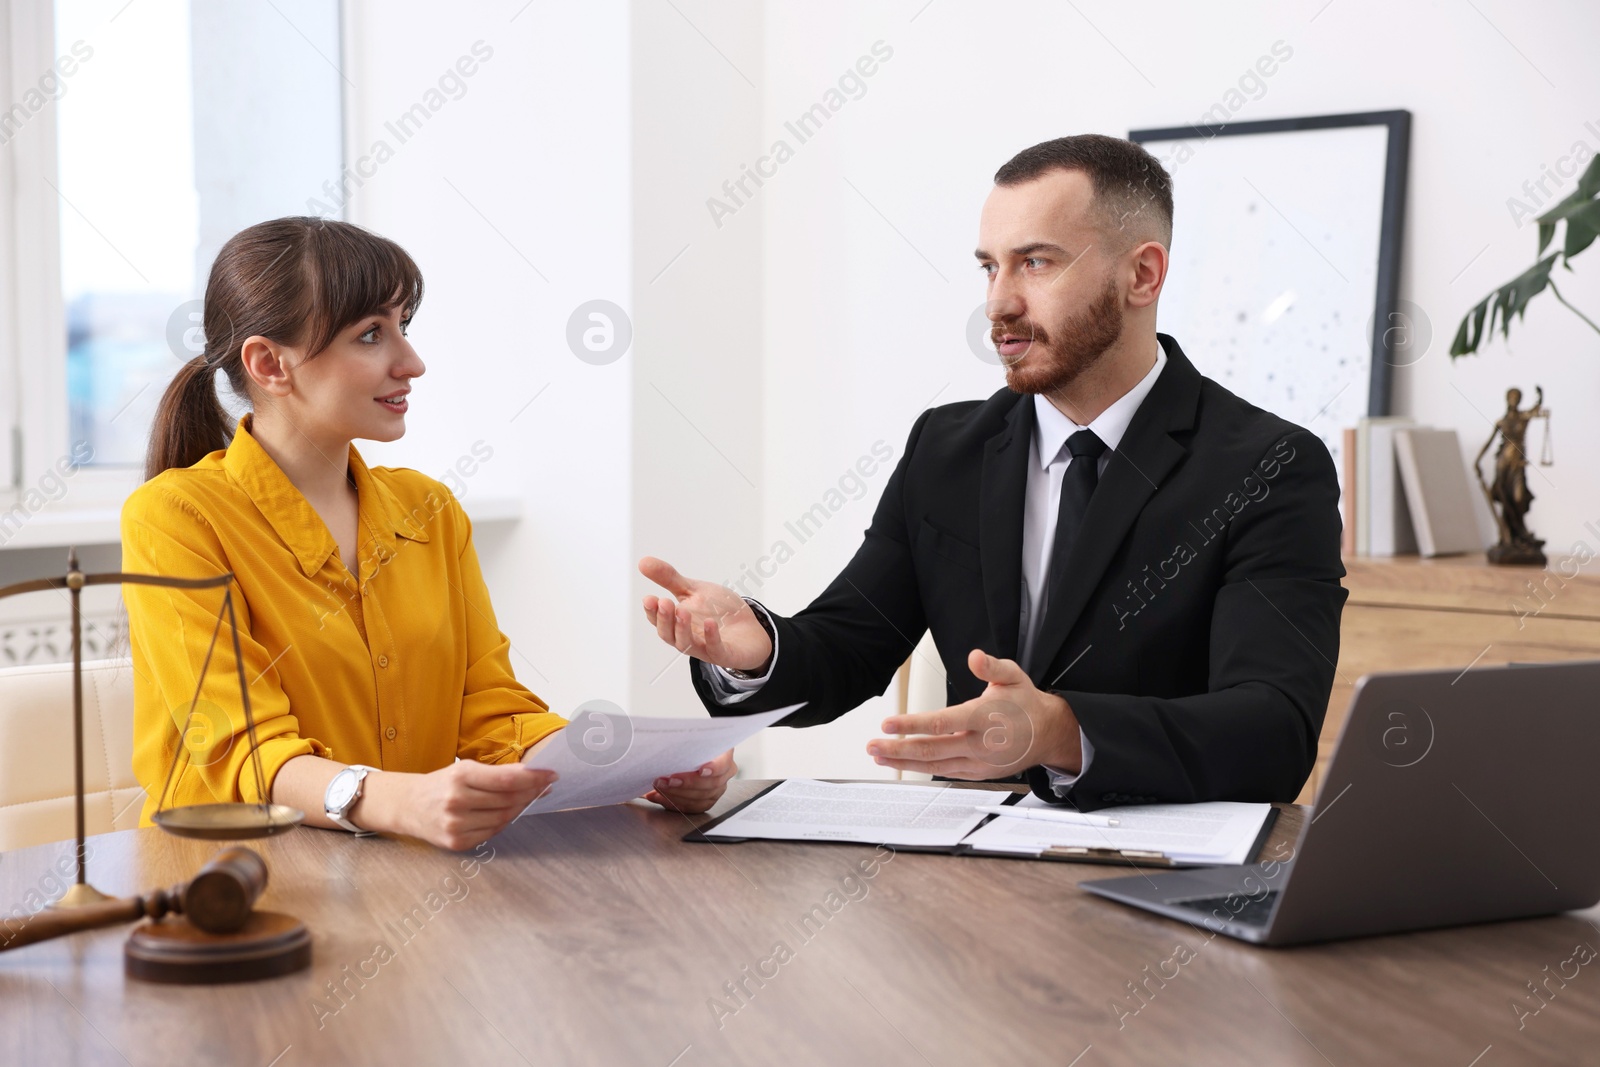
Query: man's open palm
{"points": [[708, 621]]}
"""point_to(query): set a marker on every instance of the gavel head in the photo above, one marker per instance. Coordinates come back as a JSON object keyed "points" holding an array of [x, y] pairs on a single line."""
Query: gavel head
{"points": [[220, 897]]}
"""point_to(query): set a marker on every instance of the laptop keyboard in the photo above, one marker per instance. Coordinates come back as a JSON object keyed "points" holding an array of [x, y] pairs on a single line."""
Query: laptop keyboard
{"points": [[1254, 912]]}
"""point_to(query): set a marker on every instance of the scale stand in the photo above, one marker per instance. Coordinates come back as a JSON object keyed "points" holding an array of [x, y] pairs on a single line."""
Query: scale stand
{"points": [[174, 950]]}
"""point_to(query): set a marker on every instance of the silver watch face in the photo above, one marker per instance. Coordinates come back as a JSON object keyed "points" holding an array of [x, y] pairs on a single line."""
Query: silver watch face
{"points": [[341, 791]]}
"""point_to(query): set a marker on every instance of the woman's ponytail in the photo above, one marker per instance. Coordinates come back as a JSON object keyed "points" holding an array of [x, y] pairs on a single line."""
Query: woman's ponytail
{"points": [[190, 422]]}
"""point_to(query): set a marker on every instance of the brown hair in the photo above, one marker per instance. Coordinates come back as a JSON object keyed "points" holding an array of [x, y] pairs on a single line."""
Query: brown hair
{"points": [[1129, 182], [296, 281]]}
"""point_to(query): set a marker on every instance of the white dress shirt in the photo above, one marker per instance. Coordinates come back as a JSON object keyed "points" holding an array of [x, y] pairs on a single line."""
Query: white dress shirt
{"points": [[1047, 464], [1048, 460]]}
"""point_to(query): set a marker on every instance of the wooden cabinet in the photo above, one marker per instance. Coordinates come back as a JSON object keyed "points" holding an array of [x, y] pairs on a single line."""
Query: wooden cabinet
{"points": [[1407, 612]]}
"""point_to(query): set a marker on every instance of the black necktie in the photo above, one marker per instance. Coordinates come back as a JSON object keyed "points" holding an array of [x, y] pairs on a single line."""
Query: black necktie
{"points": [[1077, 486]]}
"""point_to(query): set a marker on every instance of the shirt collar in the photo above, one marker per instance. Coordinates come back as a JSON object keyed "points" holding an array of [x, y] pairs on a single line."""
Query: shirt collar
{"points": [[1052, 428], [297, 523]]}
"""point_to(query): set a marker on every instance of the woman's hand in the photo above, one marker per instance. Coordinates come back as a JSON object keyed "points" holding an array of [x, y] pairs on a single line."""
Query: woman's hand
{"points": [[456, 807], [699, 789]]}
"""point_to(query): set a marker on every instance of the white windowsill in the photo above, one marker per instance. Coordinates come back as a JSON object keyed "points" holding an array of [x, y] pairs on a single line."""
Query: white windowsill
{"points": [[74, 526], [489, 508], [58, 528]]}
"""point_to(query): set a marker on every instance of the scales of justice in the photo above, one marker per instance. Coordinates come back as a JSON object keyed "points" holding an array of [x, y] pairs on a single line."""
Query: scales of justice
{"points": [[206, 930]]}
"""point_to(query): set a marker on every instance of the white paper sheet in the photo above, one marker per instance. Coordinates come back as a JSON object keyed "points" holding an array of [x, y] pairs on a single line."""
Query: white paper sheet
{"points": [[1219, 832], [655, 748], [802, 809]]}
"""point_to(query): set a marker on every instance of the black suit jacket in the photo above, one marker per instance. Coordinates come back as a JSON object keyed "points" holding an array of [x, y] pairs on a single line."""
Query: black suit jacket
{"points": [[1193, 628]]}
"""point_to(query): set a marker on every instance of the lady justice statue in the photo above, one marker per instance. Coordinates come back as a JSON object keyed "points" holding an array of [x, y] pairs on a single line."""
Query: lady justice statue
{"points": [[1508, 495]]}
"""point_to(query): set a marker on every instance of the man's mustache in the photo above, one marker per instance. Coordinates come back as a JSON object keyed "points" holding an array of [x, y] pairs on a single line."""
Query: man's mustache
{"points": [[1021, 328]]}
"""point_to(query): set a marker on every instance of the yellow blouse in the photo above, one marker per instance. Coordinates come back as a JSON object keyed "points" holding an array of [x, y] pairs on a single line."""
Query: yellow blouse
{"points": [[404, 669]]}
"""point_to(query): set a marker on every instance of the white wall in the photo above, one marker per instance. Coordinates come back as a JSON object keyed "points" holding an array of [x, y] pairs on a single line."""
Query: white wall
{"points": [[698, 466], [527, 173]]}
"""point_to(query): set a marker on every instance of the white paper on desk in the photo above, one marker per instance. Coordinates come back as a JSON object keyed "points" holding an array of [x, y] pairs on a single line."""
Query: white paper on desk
{"points": [[658, 748], [1219, 832], [802, 809]]}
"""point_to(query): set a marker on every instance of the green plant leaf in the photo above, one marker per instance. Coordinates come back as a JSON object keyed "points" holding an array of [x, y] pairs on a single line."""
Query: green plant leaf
{"points": [[1511, 299], [1589, 183], [1568, 207], [1467, 339], [1582, 228], [1581, 211], [1580, 199]]}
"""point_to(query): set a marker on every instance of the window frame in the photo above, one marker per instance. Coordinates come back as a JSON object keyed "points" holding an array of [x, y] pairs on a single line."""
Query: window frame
{"points": [[33, 352]]}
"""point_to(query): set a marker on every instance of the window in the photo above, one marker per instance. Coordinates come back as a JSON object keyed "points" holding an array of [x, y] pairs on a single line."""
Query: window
{"points": [[136, 139], [129, 217]]}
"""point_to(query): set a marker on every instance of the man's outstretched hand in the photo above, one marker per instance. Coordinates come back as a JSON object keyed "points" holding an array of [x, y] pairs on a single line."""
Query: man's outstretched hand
{"points": [[708, 621], [1014, 725]]}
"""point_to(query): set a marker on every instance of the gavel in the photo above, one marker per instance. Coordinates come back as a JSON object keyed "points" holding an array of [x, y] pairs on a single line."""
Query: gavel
{"points": [[217, 900]]}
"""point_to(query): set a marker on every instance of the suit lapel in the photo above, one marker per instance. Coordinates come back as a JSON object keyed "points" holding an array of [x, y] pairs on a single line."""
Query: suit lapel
{"points": [[1000, 503], [1143, 459]]}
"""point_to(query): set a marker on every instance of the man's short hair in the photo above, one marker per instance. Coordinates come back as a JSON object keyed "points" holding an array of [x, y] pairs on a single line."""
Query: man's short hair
{"points": [[1132, 190]]}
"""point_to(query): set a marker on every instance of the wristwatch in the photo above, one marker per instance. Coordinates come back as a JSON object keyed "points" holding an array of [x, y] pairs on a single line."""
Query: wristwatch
{"points": [[342, 794]]}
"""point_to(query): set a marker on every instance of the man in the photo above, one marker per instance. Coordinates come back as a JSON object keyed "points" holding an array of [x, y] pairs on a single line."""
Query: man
{"points": [[1131, 575]]}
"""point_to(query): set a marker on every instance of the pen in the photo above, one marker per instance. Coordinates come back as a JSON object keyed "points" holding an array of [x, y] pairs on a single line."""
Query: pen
{"points": [[1077, 818]]}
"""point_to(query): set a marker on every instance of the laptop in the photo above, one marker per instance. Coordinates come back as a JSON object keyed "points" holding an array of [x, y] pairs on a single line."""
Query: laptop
{"points": [[1452, 797]]}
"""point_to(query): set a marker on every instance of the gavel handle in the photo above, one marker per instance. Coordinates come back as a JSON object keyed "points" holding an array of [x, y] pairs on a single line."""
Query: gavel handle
{"points": [[56, 922]]}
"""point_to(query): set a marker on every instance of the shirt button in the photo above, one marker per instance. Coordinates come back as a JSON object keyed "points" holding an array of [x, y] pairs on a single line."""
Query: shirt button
{"points": [[389, 733], [383, 661]]}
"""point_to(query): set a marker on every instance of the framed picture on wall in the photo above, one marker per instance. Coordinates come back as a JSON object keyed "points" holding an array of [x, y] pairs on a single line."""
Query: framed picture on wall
{"points": [[1285, 266]]}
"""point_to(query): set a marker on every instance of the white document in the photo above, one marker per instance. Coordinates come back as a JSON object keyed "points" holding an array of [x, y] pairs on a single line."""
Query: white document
{"points": [[622, 769], [1220, 832], [802, 809]]}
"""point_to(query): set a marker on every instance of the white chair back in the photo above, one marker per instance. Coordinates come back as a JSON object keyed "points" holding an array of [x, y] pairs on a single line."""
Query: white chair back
{"points": [[921, 689], [36, 768]]}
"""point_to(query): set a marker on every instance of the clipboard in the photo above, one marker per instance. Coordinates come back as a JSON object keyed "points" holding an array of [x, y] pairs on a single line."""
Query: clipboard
{"points": [[1112, 856], [1128, 856], [697, 835]]}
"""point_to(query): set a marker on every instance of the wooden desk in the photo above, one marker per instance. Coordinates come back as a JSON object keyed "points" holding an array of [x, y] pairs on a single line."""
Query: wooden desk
{"points": [[598, 937]]}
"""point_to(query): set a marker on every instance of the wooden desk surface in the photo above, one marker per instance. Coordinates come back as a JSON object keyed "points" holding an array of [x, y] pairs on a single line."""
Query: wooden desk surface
{"points": [[599, 937]]}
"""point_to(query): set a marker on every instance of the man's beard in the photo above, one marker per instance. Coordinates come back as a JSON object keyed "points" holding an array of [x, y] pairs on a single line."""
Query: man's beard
{"points": [[1056, 358]]}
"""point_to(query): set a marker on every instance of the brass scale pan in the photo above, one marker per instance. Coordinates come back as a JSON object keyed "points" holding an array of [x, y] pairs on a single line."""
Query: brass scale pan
{"points": [[212, 822]]}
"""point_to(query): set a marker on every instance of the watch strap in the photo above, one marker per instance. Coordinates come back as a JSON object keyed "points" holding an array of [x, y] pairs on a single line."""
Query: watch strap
{"points": [[340, 816]]}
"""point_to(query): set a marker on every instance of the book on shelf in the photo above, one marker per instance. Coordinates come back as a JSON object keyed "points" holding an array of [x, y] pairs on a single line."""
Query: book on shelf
{"points": [[1383, 519], [1434, 476]]}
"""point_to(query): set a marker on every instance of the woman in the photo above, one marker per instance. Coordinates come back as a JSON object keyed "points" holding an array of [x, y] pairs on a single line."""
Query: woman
{"points": [[369, 644]]}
